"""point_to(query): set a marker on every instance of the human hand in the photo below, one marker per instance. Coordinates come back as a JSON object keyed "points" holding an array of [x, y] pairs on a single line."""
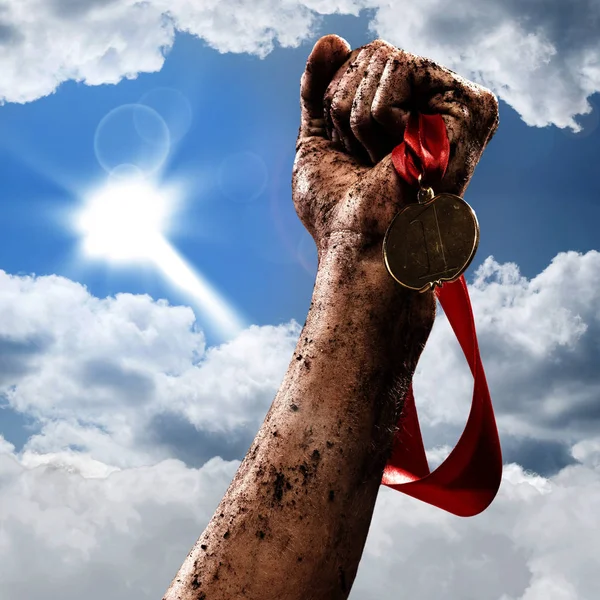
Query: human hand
{"points": [[354, 109]]}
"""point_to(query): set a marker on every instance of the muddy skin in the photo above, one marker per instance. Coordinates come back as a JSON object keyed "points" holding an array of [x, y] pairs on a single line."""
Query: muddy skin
{"points": [[293, 523]]}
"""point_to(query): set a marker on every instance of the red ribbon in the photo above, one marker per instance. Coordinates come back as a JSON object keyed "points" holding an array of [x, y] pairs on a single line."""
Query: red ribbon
{"points": [[425, 148], [467, 481]]}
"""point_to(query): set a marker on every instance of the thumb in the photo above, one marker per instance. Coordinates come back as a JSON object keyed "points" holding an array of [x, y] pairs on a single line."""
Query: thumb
{"points": [[327, 56]]}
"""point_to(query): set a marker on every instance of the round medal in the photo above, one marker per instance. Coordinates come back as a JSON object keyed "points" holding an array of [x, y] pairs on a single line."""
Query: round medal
{"points": [[431, 241]]}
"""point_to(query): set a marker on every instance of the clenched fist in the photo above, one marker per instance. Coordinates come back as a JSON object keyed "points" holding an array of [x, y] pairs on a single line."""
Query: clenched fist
{"points": [[355, 106]]}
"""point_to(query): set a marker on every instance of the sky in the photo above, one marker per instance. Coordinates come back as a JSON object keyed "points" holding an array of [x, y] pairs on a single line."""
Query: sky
{"points": [[131, 389]]}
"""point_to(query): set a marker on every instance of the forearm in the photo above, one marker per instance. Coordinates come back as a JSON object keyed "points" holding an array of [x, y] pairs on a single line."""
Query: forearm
{"points": [[319, 455]]}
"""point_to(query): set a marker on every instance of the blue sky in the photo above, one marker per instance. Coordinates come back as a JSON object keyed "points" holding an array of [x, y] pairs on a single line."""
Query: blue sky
{"points": [[95, 382], [534, 190]]}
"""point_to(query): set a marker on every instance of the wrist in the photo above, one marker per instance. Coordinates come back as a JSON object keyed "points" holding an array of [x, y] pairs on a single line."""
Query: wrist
{"points": [[352, 269], [355, 294]]}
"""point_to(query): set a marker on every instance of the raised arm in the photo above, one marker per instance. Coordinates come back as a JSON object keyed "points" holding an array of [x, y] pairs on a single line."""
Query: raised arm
{"points": [[294, 521]]}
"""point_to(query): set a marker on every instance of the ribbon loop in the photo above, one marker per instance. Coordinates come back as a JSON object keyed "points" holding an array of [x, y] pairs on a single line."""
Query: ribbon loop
{"points": [[468, 480]]}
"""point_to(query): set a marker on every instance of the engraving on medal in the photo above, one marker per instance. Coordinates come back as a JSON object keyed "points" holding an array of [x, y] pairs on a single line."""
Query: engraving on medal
{"points": [[431, 242], [433, 245]]}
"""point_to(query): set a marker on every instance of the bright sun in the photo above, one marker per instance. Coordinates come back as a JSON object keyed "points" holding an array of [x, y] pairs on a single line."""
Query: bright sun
{"points": [[127, 221], [124, 221]]}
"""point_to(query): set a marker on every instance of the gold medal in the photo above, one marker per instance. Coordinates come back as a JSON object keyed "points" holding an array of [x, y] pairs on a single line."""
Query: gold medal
{"points": [[431, 241]]}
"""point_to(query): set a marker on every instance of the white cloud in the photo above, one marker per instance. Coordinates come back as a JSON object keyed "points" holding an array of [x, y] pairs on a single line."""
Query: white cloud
{"points": [[216, 397], [533, 543], [52, 41], [127, 533], [71, 462], [100, 375], [102, 41], [541, 58], [129, 381], [67, 536], [5, 447], [587, 452], [539, 346], [95, 506]]}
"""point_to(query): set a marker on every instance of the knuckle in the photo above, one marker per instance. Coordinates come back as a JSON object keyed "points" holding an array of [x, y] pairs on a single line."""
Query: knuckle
{"points": [[491, 104], [379, 109], [398, 65], [381, 54], [491, 115], [380, 44], [353, 58], [377, 48], [484, 107], [413, 62], [359, 120], [361, 59], [463, 98]]}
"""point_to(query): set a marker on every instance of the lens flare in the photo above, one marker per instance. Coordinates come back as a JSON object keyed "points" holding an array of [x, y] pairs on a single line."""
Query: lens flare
{"points": [[127, 221]]}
